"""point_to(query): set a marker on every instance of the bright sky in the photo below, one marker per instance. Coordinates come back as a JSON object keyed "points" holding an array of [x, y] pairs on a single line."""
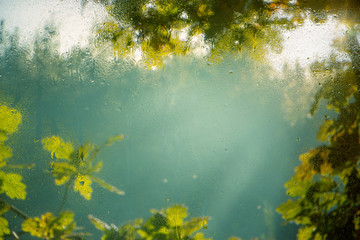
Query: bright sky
{"points": [[308, 43], [74, 22], [302, 45]]}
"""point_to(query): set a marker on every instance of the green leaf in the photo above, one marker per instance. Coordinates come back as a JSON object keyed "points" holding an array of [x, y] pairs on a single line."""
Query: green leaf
{"points": [[12, 185], [324, 130], [9, 120], [85, 154], [297, 187], [200, 236], [305, 233], [5, 152], [63, 172], [4, 227], [4, 207], [102, 226], [289, 209], [194, 225], [114, 139], [58, 147], [97, 167], [49, 226], [107, 186], [83, 185], [176, 215]]}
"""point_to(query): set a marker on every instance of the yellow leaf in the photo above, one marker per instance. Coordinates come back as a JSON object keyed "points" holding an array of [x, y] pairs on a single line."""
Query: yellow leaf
{"points": [[38, 226], [12, 185], [4, 227], [5, 152], [304, 233], [3, 137], [114, 139], [204, 11], [98, 223], [9, 120], [176, 215], [290, 209], [49, 226], [62, 172], [324, 132], [57, 146], [107, 186], [296, 187], [195, 224], [85, 150], [305, 171], [98, 167], [142, 233], [326, 168], [163, 230], [200, 236], [83, 185]]}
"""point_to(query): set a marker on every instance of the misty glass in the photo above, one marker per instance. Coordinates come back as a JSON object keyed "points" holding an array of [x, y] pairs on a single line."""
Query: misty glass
{"points": [[220, 137]]}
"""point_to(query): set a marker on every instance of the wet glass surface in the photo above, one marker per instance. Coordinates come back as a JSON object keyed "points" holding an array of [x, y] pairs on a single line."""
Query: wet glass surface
{"points": [[205, 119]]}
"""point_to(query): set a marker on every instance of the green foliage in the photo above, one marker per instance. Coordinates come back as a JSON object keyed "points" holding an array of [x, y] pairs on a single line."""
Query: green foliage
{"points": [[10, 183], [49, 226], [326, 185], [161, 29], [164, 224], [4, 225], [79, 164]]}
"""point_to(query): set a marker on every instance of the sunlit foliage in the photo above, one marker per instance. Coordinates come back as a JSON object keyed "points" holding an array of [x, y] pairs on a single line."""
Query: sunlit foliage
{"points": [[4, 225], [325, 189], [49, 226], [79, 164], [10, 183], [164, 224], [160, 29]]}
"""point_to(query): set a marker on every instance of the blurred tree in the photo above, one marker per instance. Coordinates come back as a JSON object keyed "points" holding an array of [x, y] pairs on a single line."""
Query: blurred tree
{"points": [[163, 28], [156, 29], [325, 189]]}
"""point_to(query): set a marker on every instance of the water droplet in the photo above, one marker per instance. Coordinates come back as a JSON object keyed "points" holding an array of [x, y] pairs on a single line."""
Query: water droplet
{"points": [[87, 108], [165, 180]]}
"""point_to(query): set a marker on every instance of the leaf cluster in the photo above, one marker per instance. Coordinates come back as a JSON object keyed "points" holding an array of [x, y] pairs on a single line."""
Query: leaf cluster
{"points": [[325, 189], [78, 165], [49, 226], [10, 183], [165, 224], [163, 28]]}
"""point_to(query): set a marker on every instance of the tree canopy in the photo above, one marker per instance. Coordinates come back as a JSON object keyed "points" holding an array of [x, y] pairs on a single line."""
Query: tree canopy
{"points": [[162, 28]]}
